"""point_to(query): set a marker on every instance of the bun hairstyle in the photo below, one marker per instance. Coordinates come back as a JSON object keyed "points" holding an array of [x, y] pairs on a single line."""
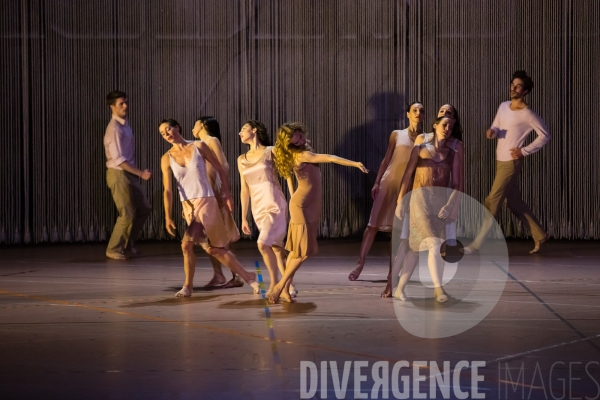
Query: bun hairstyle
{"points": [[261, 132], [212, 126]]}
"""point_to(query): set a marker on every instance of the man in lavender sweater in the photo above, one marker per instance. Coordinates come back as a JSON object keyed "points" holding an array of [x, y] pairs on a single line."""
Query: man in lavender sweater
{"points": [[513, 123]]}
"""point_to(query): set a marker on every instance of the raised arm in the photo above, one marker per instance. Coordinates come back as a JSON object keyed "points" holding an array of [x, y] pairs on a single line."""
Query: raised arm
{"points": [[244, 199], [210, 157], [167, 193], [384, 164], [309, 157]]}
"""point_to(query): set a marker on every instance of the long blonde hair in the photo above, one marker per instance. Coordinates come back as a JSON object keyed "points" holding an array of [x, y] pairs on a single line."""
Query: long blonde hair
{"points": [[285, 152]]}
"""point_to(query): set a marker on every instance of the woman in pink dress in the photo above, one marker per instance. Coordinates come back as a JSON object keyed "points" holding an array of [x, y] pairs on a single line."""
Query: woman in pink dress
{"points": [[260, 188], [208, 130], [387, 184]]}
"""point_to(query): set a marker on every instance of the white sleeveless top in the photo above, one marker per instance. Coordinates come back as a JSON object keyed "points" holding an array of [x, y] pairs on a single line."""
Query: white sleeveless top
{"points": [[192, 181]]}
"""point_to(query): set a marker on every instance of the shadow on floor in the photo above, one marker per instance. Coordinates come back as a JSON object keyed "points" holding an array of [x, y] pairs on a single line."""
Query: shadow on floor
{"points": [[173, 301]]}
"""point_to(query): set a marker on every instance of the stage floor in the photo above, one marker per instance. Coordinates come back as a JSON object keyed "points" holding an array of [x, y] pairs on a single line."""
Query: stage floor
{"points": [[75, 325]]}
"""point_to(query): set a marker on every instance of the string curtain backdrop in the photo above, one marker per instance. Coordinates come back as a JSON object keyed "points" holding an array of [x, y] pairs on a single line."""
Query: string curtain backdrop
{"points": [[345, 68]]}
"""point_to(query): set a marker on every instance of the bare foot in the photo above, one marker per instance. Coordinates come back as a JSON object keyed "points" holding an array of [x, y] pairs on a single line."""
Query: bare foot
{"points": [[184, 292], [440, 295], [293, 290], [273, 297], [286, 298], [234, 282], [356, 272], [538, 244], [388, 290], [400, 295], [216, 281]]}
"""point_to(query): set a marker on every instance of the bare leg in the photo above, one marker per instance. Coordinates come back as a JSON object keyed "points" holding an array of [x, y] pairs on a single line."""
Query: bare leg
{"points": [[281, 255], [395, 268], [436, 266], [367, 242], [387, 292], [218, 278], [189, 267], [291, 267], [270, 260], [228, 259], [411, 259]]}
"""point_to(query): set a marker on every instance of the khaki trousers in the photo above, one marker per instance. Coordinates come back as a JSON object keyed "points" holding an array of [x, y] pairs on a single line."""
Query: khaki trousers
{"points": [[133, 207], [506, 186]]}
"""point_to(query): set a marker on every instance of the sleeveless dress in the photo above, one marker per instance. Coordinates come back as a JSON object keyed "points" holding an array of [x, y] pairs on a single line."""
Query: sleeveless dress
{"points": [[205, 224], [215, 182], [382, 213], [268, 204], [427, 198], [305, 211]]}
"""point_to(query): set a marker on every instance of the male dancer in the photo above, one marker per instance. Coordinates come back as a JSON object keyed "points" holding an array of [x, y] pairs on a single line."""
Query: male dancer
{"points": [[513, 123], [122, 179], [186, 161]]}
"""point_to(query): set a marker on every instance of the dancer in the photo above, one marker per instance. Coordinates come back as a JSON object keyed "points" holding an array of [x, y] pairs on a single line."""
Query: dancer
{"points": [[260, 186], [122, 179], [446, 110], [436, 162], [186, 161], [387, 184], [293, 154], [208, 130], [513, 123]]}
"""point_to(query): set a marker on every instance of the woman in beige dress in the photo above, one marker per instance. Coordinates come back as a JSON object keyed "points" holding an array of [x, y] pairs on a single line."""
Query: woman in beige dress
{"points": [[293, 155], [436, 160], [207, 129], [260, 188], [387, 184]]}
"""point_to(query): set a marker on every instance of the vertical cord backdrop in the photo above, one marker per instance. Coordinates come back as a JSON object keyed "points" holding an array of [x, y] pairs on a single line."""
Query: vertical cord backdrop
{"points": [[346, 68]]}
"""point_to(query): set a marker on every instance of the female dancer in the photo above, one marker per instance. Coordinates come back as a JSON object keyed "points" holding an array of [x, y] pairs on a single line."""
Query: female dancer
{"points": [[436, 162], [260, 185], [186, 162], [448, 110], [207, 129], [387, 184], [293, 154]]}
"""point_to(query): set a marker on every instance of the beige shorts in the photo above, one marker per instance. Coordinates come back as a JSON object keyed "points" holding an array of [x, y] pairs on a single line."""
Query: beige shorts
{"points": [[205, 223]]}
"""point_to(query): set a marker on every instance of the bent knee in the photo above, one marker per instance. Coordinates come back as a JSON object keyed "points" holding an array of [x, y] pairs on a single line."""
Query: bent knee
{"points": [[187, 246], [215, 251], [263, 248]]}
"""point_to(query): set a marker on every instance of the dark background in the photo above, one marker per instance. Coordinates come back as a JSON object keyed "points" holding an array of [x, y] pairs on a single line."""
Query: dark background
{"points": [[344, 68]]}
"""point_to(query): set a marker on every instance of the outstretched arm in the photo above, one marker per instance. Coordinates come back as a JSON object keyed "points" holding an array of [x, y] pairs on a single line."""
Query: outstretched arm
{"points": [[309, 157], [210, 157], [167, 193]]}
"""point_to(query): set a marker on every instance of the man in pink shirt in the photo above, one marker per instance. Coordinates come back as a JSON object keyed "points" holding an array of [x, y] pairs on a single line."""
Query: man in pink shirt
{"points": [[122, 179], [513, 123]]}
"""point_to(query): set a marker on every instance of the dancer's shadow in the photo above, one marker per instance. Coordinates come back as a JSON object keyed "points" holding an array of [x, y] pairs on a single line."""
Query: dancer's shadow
{"points": [[366, 143], [453, 304], [281, 310], [173, 301]]}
